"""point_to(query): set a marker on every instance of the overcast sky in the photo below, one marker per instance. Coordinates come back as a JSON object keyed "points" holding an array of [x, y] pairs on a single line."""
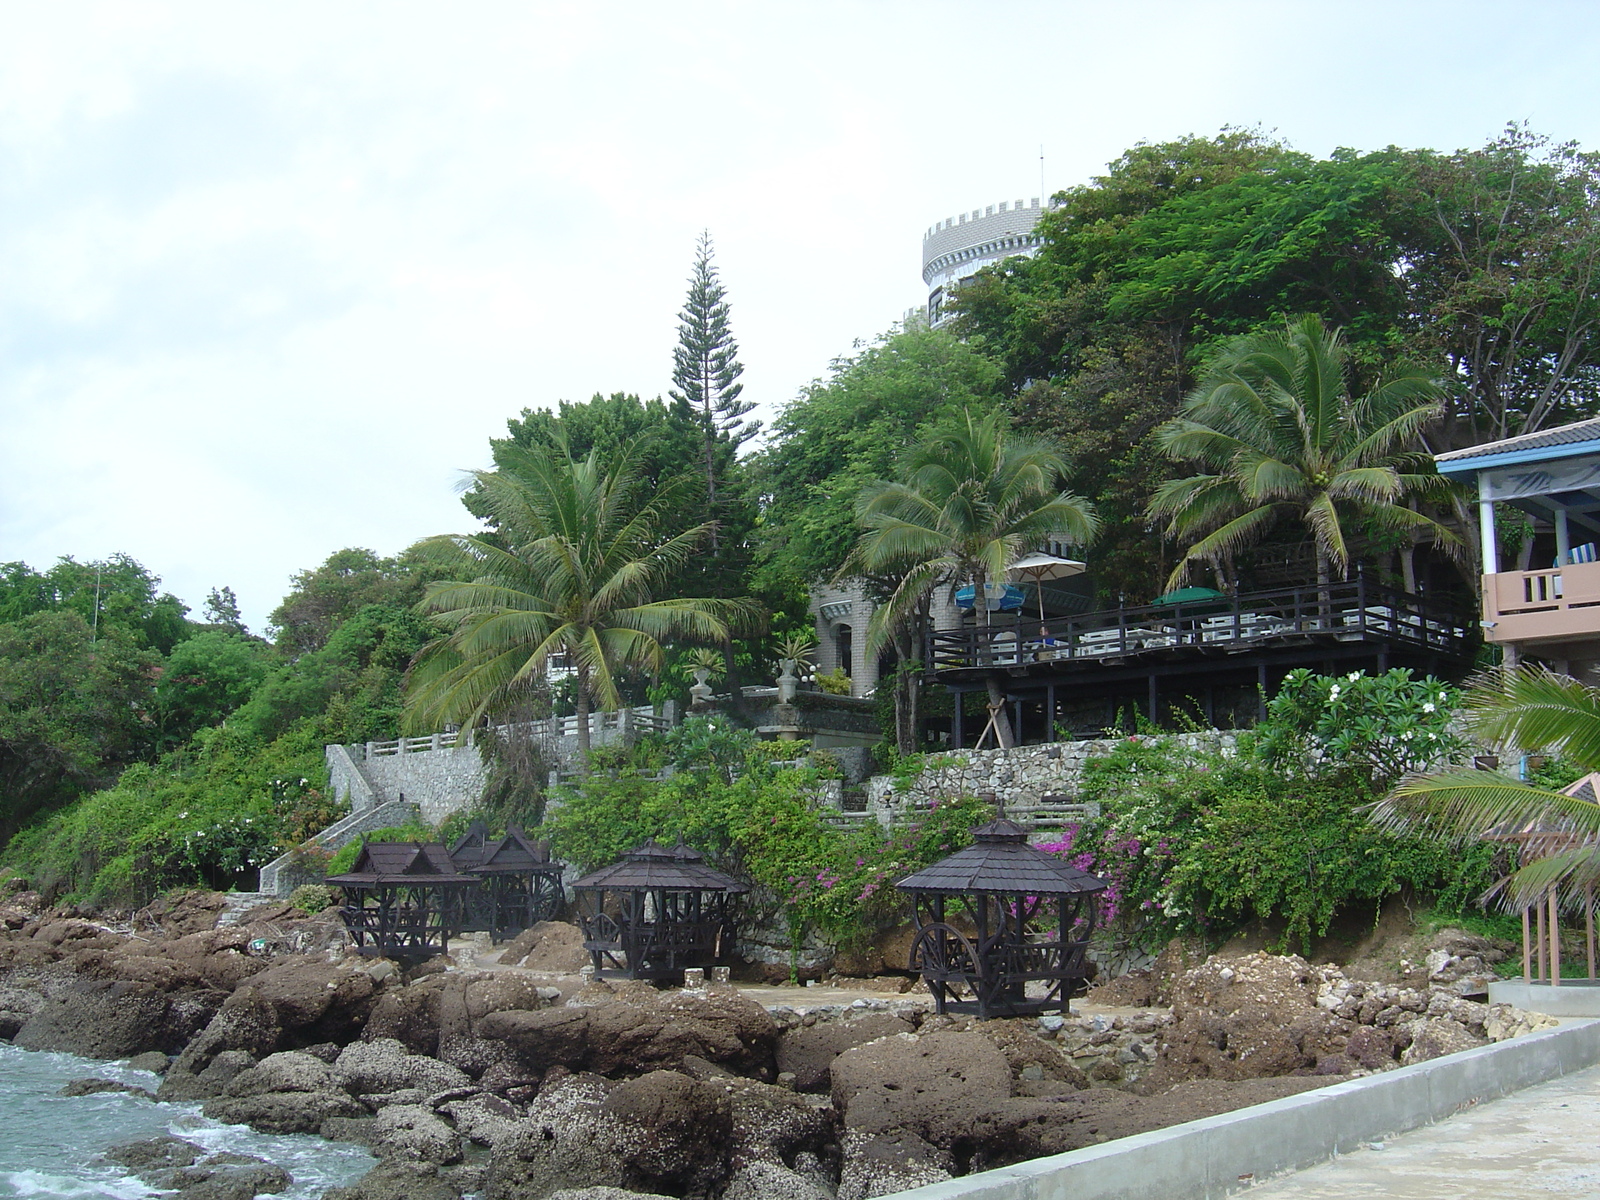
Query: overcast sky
{"points": [[271, 275]]}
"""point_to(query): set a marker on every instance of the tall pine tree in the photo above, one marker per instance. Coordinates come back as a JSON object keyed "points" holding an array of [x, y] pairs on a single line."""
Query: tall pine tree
{"points": [[705, 375]]}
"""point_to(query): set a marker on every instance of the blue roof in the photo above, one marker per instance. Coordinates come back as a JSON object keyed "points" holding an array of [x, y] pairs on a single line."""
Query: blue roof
{"points": [[1562, 441]]}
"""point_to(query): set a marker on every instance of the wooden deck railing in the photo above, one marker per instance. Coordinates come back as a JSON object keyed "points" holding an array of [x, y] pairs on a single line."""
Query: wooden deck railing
{"points": [[1344, 611]]}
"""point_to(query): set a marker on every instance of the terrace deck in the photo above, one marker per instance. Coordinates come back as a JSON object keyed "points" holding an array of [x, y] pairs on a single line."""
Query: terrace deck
{"points": [[1247, 641]]}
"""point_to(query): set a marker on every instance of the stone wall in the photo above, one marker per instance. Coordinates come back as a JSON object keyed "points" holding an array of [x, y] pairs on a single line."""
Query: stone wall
{"points": [[439, 782], [1019, 777]]}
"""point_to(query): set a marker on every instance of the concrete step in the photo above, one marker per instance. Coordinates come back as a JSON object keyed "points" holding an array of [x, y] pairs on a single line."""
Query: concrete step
{"points": [[240, 903]]}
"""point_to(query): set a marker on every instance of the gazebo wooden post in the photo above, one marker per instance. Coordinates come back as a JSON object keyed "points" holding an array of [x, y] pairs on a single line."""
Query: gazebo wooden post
{"points": [[1588, 926], [1540, 941], [1555, 943], [1527, 948]]}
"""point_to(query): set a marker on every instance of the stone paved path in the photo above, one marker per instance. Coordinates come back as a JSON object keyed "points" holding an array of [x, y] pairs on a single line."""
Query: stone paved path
{"points": [[1538, 1143]]}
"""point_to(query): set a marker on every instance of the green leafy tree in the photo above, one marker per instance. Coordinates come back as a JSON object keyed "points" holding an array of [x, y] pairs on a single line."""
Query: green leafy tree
{"points": [[74, 710], [971, 500], [321, 599], [205, 679], [349, 690], [1501, 271], [663, 441], [222, 610], [852, 429], [1481, 262], [705, 376], [570, 571], [1274, 421], [1529, 708]]}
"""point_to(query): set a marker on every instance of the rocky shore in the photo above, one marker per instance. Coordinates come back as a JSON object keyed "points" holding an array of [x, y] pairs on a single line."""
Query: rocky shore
{"points": [[520, 1080]]}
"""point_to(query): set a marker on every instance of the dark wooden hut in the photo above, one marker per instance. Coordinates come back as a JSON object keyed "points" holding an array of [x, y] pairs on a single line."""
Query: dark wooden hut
{"points": [[402, 899], [519, 885], [1028, 919], [661, 908]]}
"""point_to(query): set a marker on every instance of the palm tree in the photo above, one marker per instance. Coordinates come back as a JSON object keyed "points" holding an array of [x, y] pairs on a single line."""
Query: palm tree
{"points": [[569, 570], [971, 500], [1274, 421], [1532, 709]]}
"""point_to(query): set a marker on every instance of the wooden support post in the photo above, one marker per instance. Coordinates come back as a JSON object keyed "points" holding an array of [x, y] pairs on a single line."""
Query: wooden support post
{"points": [[1588, 927], [1527, 949], [1555, 943], [1540, 941]]}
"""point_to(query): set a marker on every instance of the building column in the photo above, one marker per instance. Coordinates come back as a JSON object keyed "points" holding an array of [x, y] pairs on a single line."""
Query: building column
{"points": [[1486, 531], [1563, 539]]}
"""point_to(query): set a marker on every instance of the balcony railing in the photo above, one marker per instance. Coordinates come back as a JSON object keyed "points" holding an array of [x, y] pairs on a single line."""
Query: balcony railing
{"points": [[1532, 606], [1353, 610]]}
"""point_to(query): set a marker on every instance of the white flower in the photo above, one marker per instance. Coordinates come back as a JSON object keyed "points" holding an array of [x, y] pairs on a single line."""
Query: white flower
{"points": [[1429, 708], [1433, 737], [1333, 692], [1353, 676]]}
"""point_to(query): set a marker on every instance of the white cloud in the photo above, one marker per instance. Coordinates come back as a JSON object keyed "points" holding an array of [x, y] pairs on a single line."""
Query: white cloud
{"points": [[274, 274]]}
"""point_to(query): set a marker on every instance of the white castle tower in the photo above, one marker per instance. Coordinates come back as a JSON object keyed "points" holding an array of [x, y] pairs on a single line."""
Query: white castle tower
{"points": [[958, 246]]}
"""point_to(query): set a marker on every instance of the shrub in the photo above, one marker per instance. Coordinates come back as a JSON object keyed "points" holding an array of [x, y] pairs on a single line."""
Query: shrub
{"points": [[834, 683], [759, 820], [313, 898], [1199, 841]]}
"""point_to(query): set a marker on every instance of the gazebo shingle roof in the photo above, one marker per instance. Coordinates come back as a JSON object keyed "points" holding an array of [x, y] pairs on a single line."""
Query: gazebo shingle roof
{"points": [[654, 867], [1000, 860], [401, 862], [477, 852]]}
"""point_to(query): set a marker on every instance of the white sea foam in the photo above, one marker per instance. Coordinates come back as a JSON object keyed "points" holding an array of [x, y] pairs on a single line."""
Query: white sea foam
{"points": [[51, 1146]]}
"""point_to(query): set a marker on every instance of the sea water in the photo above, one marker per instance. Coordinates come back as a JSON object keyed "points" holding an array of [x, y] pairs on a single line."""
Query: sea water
{"points": [[51, 1145]]}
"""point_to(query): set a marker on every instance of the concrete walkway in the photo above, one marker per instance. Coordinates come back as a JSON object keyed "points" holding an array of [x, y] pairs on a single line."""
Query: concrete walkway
{"points": [[1540, 1142]]}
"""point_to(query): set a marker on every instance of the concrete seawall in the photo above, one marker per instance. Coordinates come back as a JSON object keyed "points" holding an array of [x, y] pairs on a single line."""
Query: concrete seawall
{"points": [[1218, 1155]]}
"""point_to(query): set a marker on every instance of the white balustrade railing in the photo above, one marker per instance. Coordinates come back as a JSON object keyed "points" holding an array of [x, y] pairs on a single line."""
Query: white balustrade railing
{"points": [[640, 720]]}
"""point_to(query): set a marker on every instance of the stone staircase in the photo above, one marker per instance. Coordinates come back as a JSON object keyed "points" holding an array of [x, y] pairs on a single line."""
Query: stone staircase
{"points": [[240, 903]]}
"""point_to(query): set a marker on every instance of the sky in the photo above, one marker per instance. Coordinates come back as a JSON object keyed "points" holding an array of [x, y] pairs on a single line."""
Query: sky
{"points": [[271, 276]]}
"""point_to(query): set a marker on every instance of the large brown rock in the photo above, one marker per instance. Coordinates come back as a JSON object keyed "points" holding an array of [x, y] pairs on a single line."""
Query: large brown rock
{"points": [[808, 1051], [883, 1164], [1434, 1037], [283, 1112], [636, 1030], [663, 1132], [774, 1125], [939, 1086], [246, 1021], [549, 948], [98, 1019], [182, 912], [398, 1179], [465, 998], [409, 1014], [317, 1001]]}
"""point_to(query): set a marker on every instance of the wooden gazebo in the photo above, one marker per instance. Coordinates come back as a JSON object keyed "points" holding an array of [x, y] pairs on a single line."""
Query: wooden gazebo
{"points": [[661, 909], [1545, 838], [1022, 947], [402, 899], [519, 885]]}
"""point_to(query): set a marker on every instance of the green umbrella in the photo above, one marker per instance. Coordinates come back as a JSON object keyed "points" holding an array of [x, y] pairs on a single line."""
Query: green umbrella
{"points": [[1196, 599]]}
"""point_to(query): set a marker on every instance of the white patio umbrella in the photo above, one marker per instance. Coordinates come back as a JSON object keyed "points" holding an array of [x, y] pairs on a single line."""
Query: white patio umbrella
{"points": [[1039, 567]]}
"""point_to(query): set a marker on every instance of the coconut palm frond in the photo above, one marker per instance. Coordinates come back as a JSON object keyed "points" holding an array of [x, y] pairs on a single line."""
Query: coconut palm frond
{"points": [[1535, 709]]}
